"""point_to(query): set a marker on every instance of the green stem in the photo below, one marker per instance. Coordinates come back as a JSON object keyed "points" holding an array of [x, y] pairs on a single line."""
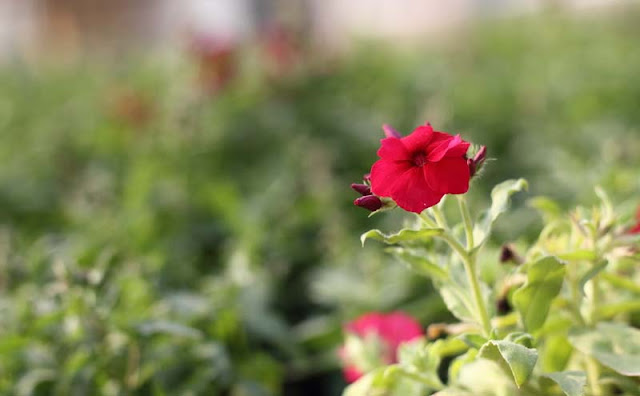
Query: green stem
{"points": [[470, 269], [468, 224], [437, 214], [619, 281], [607, 311], [593, 376], [427, 220]]}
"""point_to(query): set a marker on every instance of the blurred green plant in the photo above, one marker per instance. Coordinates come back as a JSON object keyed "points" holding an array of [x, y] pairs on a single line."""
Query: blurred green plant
{"points": [[156, 241]]}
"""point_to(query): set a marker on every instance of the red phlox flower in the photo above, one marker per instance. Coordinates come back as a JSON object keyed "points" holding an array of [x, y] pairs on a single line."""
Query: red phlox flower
{"points": [[392, 329], [417, 170]]}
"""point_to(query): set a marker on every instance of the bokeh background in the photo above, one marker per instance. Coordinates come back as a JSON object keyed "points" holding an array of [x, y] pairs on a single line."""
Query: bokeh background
{"points": [[175, 211]]}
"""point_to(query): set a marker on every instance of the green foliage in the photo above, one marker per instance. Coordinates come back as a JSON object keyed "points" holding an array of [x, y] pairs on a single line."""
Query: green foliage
{"points": [[513, 358], [613, 344], [500, 200], [533, 300], [207, 248], [572, 383], [552, 299]]}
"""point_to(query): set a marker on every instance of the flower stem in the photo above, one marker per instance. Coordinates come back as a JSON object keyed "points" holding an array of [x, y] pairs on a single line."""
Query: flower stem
{"points": [[427, 220], [593, 374], [468, 224], [470, 268], [468, 261], [437, 214]]}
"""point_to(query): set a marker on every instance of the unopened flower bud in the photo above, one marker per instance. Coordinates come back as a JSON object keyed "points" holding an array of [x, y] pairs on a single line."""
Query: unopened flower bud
{"points": [[503, 306], [369, 202], [362, 189], [367, 177], [390, 132], [472, 166], [508, 254], [476, 162]]}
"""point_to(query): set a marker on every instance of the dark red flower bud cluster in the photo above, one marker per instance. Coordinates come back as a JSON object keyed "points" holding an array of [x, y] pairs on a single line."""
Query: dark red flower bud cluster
{"points": [[367, 200]]}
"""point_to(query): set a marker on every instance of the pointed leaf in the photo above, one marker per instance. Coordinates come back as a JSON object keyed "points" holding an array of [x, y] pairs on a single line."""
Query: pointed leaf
{"points": [[500, 201], [404, 236], [511, 357], [533, 299], [615, 345], [572, 383]]}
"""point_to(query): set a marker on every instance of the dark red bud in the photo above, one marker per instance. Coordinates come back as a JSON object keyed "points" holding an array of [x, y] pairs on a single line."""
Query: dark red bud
{"points": [[472, 166], [476, 162], [480, 155], [503, 306], [508, 254], [362, 189], [390, 132], [369, 202]]}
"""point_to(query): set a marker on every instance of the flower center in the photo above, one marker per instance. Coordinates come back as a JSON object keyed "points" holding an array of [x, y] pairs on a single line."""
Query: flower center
{"points": [[419, 159]]}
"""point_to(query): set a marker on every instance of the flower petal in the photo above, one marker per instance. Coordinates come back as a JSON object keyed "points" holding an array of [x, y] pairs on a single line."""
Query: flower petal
{"points": [[392, 149], [448, 176], [412, 193], [446, 146], [400, 327], [384, 174], [419, 138]]}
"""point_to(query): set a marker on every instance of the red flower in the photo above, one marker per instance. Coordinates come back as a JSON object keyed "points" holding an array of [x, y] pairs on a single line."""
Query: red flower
{"points": [[389, 330], [416, 171]]}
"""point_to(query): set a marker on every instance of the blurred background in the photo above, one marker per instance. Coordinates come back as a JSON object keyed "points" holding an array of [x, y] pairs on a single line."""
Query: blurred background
{"points": [[175, 211]]}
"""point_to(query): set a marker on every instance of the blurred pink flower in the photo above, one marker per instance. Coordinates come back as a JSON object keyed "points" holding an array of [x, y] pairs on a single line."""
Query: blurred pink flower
{"points": [[636, 228], [385, 331]]}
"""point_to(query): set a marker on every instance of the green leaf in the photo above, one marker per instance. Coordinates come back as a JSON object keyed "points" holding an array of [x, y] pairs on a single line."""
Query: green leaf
{"points": [[578, 254], [572, 383], [458, 302], [500, 200], [533, 299], [615, 345], [421, 359], [421, 265], [403, 236], [459, 362], [473, 340], [556, 352], [511, 357]]}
